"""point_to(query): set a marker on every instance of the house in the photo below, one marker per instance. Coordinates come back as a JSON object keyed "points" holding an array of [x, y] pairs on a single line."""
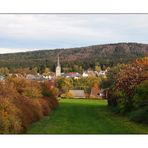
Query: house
{"points": [[30, 77], [89, 73], [2, 78], [47, 77], [85, 74], [77, 93], [74, 75], [38, 77]]}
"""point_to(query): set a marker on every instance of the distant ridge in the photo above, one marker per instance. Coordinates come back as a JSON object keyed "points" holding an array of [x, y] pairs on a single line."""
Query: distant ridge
{"points": [[106, 54]]}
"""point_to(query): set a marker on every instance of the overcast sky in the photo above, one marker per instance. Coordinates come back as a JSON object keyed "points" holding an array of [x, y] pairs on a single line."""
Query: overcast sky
{"points": [[25, 32]]}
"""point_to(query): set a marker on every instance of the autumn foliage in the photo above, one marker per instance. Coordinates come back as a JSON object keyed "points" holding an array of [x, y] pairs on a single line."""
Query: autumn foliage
{"points": [[128, 92], [129, 77], [22, 102]]}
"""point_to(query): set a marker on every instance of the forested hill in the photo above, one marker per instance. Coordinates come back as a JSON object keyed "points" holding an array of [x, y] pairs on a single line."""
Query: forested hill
{"points": [[108, 55]]}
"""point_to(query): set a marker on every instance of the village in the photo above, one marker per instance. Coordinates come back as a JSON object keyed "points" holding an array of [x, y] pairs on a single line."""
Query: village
{"points": [[52, 78]]}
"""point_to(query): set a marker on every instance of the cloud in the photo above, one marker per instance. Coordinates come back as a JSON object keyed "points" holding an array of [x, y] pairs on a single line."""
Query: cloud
{"points": [[21, 31], [14, 50]]}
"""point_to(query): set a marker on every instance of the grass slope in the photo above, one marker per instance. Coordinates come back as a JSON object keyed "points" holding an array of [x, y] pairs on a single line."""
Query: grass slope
{"points": [[80, 116]]}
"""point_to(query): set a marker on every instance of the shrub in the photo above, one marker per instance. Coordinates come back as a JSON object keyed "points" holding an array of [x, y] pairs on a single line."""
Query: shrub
{"points": [[48, 90], [129, 91], [46, 106], [111, 97], [140, 103], [7, 90], [140, 115], [50, 93], [129, 77], [33, 90], [25, 87], [53, 102], [18, 108], [141, 95], [69, 95], [9, 117], [31, 110], [19, 84]]}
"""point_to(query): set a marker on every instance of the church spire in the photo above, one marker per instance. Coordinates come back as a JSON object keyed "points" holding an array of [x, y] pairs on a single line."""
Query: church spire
{"points": [[58, 63], [58, 68]]}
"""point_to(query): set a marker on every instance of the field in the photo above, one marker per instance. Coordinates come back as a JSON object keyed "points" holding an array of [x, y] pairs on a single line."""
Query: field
{"points": [[83, 116]]}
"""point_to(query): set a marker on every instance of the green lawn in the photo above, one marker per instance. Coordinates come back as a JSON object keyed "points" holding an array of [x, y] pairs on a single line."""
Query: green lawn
{"points": [[81, 116]]}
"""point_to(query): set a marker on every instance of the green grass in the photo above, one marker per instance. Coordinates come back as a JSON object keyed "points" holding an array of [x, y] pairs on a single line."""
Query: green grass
{"points": [[81, 116]]}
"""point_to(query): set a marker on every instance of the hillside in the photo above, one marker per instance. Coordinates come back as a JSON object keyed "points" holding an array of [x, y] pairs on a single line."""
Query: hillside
{"points": [[108, 55]]}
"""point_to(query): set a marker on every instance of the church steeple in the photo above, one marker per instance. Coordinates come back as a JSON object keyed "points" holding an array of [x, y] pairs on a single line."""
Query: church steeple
{"points": [[58, 63], [58, 68]]}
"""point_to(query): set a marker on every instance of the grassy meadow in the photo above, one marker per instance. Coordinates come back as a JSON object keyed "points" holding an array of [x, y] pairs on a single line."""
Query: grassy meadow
{"points": [[83, 116]]}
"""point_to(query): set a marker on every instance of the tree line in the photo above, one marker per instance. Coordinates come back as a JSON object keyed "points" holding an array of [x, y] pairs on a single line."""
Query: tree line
{"points": [[84, 57], [127, 89]]}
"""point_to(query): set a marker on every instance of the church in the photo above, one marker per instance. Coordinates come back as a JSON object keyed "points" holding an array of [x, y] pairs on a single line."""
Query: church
{"points": [[58, 68]]}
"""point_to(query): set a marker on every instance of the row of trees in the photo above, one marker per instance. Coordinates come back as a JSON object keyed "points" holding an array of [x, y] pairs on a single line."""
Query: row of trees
{"points": [[4, 71], [23, 102], [46, 71], [80, 68], [127, 89]]}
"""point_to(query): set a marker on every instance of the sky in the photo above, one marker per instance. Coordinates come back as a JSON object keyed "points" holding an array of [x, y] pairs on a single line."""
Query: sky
{"points": [[29, 32]]}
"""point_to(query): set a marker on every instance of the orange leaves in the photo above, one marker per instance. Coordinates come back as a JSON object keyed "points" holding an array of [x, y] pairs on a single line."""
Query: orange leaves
{"points": [[18, 108], [9, 121], [128, 77]]}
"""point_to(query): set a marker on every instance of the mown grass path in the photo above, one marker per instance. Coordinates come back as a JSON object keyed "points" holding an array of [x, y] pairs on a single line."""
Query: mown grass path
{"points": [[80, 116]]}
